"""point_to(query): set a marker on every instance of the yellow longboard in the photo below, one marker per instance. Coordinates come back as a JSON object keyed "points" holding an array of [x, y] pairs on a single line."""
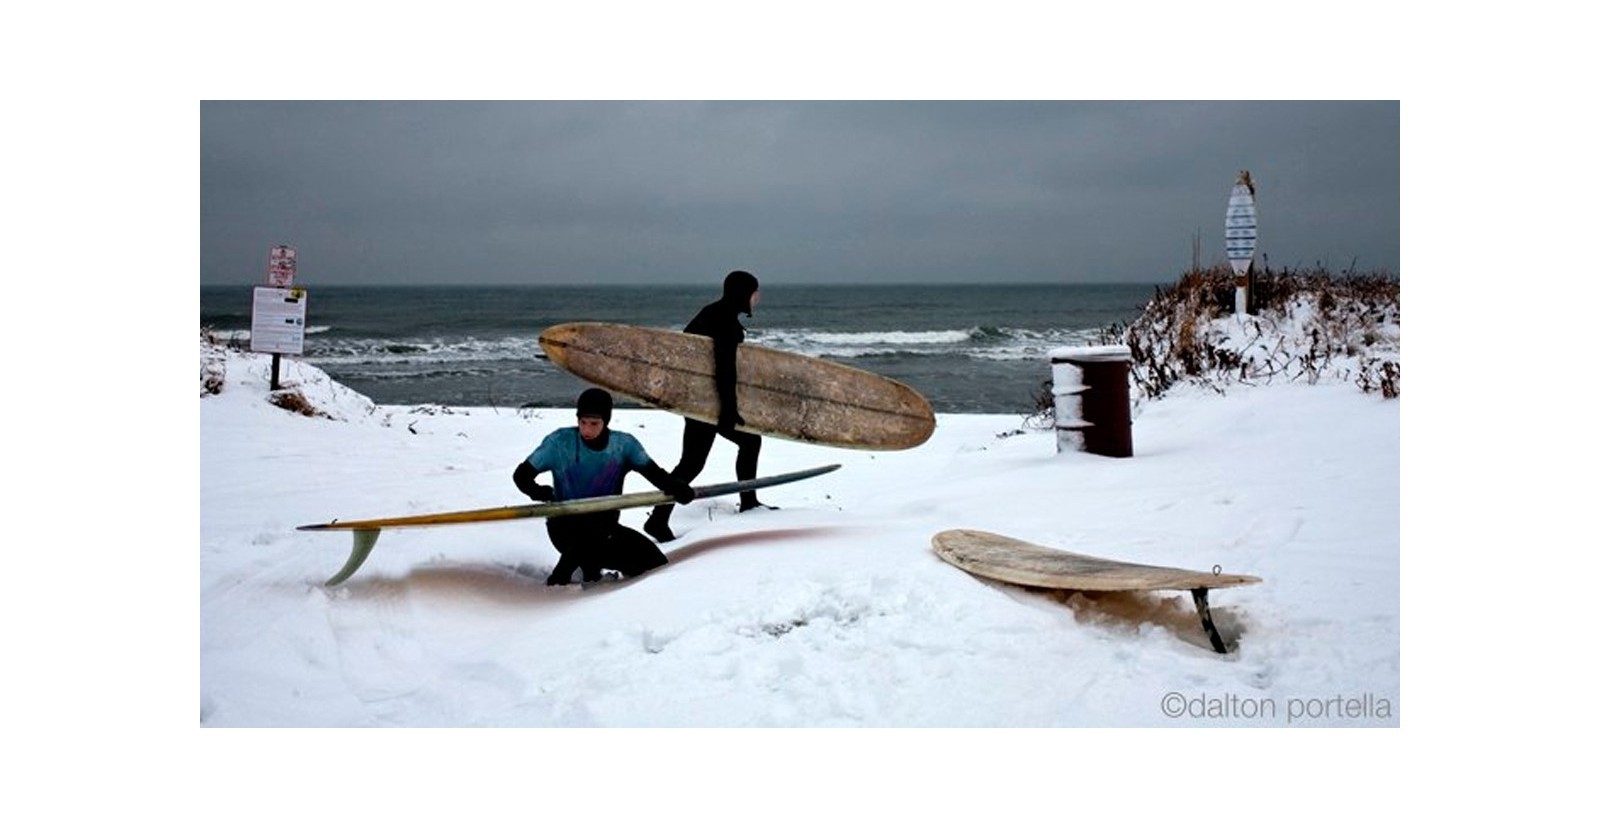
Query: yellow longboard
{"points": [[366, 531], [780, 393]]}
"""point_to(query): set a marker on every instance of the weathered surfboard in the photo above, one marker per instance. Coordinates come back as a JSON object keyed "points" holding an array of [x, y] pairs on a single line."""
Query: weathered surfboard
{"points": [[781, 394], [1020, 562], [1014, 561]]}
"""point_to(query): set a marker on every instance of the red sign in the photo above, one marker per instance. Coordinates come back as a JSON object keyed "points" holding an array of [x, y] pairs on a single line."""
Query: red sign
{"points": [[280, 267]]}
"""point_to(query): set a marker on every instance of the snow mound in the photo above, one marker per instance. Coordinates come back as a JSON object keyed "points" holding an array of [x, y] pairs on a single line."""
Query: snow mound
{"points": [[237, 376], [1307, 330]]}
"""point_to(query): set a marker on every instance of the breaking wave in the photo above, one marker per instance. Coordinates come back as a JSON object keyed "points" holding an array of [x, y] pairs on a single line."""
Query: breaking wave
{"points": [[442, 350], [973, 343]]}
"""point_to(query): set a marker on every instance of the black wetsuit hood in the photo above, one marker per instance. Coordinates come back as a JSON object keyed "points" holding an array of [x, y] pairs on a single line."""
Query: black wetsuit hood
{"points": [[737, 289]]}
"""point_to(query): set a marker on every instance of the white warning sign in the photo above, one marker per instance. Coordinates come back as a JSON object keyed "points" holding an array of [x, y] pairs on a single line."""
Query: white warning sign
{"points": [[278, 321]]}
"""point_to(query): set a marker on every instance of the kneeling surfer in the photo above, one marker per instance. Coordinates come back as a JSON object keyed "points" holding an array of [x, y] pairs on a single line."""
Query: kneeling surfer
{"points": [[590, 460]]}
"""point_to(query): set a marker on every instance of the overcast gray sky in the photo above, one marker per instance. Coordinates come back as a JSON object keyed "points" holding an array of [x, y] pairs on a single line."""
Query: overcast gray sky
{"points": [[654, 192]]}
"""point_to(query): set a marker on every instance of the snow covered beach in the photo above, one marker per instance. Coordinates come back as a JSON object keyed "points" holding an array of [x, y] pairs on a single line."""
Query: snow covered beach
{"points": [[832, 611]]}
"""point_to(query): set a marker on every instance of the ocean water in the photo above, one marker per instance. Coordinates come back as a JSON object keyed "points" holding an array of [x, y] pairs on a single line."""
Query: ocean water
{"points": [[967, 348]]}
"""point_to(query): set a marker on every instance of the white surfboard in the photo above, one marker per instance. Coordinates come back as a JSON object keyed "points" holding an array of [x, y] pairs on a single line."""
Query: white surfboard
{"points": [[1240, 229]]}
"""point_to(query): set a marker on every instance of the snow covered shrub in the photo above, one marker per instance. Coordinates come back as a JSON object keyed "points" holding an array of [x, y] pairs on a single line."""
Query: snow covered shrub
{"points": [[1309, 326], [213, 364], [1382, 376]]}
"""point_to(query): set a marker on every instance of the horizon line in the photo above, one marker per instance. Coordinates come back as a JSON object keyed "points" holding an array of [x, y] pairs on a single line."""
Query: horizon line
{"points": [[712, 282]]}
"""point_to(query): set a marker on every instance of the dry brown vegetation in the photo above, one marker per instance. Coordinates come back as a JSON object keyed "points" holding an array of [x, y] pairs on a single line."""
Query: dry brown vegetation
{"points": [[1309, 326]]}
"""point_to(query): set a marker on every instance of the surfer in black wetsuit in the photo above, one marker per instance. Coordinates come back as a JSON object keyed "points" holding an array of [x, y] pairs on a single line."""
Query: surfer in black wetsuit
{"points": [[720, 321]]}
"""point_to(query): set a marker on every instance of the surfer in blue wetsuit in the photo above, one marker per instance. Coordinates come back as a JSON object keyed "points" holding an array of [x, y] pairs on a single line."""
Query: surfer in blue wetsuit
{"points": [[720, 321], [590, 461]]}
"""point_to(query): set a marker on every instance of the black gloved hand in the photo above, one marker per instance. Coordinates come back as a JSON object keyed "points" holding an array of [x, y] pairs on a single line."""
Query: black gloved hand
{"points": [[524, 478], [680, 491]]}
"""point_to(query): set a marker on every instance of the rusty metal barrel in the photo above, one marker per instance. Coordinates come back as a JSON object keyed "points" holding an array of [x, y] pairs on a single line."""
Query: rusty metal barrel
{"points": [[1091, 394]]}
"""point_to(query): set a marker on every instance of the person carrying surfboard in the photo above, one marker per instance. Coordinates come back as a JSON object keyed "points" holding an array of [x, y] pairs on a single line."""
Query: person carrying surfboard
{"points": [[590, 460], [719, 321]]}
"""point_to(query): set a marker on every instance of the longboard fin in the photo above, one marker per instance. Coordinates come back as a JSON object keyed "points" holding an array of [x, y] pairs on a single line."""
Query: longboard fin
{"points": [[1203, 606], [361, 545]]}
